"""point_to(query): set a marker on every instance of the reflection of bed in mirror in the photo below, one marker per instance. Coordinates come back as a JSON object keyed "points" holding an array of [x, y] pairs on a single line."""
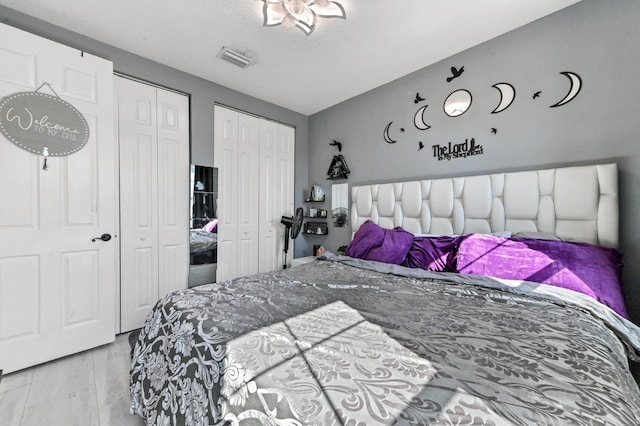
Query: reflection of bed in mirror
{"points": [[203, 238]]}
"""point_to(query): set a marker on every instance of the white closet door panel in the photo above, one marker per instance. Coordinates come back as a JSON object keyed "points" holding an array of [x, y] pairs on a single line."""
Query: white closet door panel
{"points": [[18, 65], [24, 191], [271, 249], [226, 160], [138, 201], [248, 190], [19, 302], [143, 269], [250, 154], [79, 200], [286, 156], [173, 196], [277, 191], [286, 162], [79, 296], [57, 288]]}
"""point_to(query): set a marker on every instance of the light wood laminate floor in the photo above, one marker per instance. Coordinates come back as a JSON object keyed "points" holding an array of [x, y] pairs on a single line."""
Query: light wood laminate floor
{"points": [[87, 389]]}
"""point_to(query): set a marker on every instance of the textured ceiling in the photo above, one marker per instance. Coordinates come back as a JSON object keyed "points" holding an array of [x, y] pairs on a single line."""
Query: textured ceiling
{"points": [[380, 41]]}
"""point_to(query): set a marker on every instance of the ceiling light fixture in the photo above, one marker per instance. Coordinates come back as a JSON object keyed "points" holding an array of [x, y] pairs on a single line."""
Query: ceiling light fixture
{"points": [[236, 57], [300, 13]]}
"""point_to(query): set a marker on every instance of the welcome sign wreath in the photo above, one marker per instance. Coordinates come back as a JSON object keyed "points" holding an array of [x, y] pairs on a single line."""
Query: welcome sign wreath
{"points": [[43, 124]]}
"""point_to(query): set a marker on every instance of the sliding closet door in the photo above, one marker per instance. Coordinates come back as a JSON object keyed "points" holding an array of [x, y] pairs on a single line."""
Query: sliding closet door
{"points": [[255, 161], [286, 184], [277, 156], [225, 158], [57, 287], [173, 191], [154, 189], [248, 192], [137, 133]]}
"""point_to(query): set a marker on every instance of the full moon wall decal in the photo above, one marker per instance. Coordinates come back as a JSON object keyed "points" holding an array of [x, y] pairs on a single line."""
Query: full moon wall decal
{"points": [[457, 103]]}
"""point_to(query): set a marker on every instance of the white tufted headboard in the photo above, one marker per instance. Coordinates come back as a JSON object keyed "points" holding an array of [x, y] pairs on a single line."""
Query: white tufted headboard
{"points": [[575, 203]]}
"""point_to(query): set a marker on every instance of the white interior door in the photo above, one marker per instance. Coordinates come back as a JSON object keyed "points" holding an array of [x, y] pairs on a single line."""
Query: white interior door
{"points": [[153, 133], [271, 250], [225, 158], [286, 184], [173, 191], [255, 161], [137, 135], [57, 287], [277, 156], [248, 187]]}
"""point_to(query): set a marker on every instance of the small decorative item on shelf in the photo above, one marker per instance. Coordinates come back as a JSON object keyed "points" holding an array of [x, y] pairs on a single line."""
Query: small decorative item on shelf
{"points": [[314, 212], [316, 228]]}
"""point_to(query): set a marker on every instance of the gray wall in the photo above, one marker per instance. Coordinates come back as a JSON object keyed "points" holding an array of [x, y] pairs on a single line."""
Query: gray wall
{"points": [[599, 40], [203, 94]]}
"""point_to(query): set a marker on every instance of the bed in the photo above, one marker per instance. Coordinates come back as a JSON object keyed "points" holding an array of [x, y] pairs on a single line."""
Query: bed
{"points": [[426, 320]]}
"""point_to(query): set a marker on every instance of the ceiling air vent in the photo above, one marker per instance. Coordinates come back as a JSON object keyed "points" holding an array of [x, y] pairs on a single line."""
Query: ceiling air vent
{"points": [[236, 57]]}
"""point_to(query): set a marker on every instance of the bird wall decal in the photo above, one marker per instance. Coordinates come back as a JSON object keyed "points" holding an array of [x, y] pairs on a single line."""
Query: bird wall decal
{"points": [[456, 73]]}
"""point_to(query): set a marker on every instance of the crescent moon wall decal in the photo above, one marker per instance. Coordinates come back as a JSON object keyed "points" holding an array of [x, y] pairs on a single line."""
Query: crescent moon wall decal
{"points": [[418, 119], [507, 95], [387, 138], [576, 85]]}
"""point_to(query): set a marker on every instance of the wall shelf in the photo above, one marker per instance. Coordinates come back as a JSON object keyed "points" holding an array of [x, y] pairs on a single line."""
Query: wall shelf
{"points": [[311, 227], [311, 200], [314, 213], [316, 228]]}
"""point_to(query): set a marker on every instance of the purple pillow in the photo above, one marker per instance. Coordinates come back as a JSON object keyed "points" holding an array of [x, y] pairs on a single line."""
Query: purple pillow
{"points": [[589, 269], [432, 253], [211, 226], [372, 242]]}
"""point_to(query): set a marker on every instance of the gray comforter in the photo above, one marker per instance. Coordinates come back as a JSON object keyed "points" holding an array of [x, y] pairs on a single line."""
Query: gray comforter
{"points": [[348, 343]]}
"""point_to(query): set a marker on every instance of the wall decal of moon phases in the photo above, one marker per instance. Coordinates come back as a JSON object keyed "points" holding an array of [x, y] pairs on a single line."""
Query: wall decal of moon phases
{"points": [[457, 103], [418, 119], [507, 95], [576, 85], [387, 138]]}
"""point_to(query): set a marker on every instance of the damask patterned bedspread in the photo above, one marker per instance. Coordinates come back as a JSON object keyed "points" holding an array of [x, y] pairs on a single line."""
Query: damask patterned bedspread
{"points": [[328, 343]]}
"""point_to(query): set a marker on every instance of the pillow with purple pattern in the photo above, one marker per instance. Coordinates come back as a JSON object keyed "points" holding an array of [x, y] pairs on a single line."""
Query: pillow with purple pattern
{"points": [[433, 253], [372, 242], [589, 269]]}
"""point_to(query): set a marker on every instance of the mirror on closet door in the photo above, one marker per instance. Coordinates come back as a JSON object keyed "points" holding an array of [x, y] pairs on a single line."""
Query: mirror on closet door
{"points": [[339, 204], [203, 239]]}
